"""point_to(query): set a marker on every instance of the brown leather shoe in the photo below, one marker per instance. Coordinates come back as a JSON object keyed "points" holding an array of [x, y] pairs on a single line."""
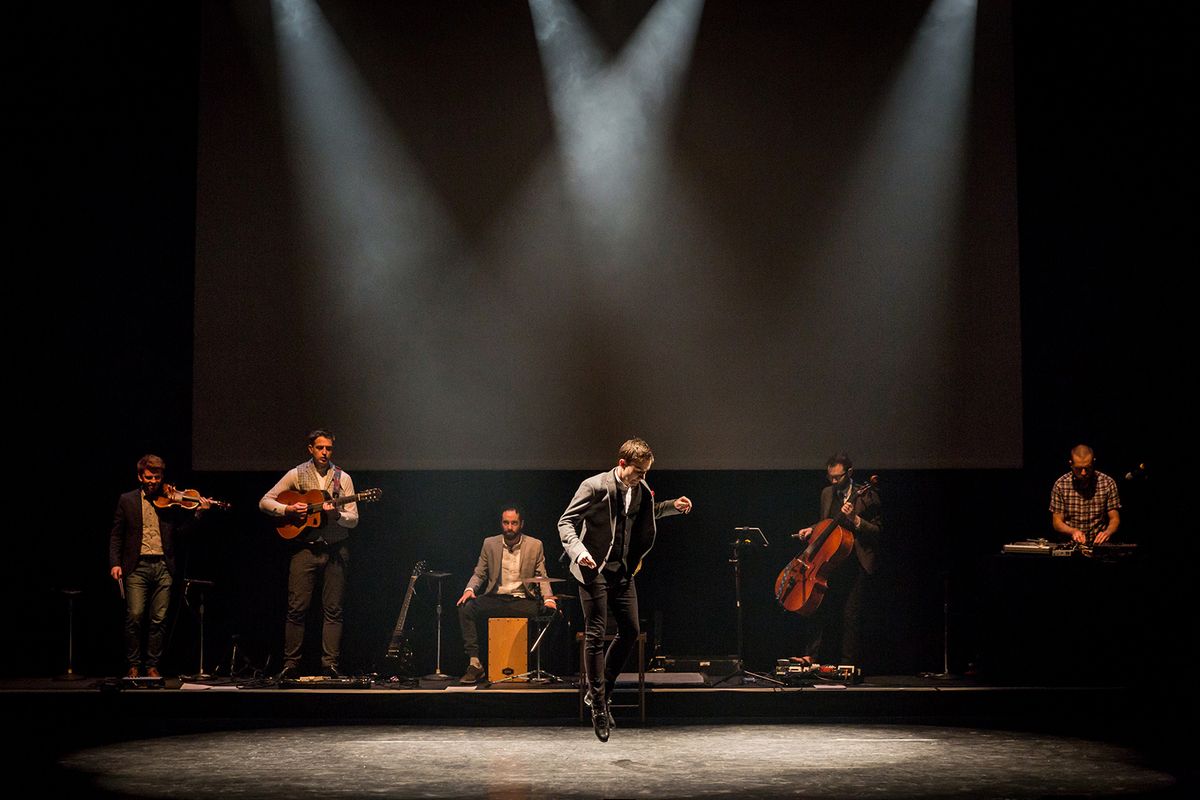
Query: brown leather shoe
{"points": [[153, 673], [133, 673]]}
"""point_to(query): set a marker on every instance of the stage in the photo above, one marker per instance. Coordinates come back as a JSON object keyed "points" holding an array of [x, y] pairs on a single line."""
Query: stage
{"points": [[486, 248], [890, 736]]}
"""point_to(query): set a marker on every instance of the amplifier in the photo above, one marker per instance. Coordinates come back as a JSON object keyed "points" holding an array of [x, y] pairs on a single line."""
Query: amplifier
{"points": [[709, 665]]}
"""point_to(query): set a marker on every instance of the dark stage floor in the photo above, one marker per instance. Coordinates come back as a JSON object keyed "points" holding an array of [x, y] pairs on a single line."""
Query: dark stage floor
{"points": [[896, 736]]}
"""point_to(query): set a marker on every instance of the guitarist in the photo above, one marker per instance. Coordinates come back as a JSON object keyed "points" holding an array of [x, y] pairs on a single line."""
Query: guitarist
{"points": [[497, 587], [834, 632], [317, 551]]}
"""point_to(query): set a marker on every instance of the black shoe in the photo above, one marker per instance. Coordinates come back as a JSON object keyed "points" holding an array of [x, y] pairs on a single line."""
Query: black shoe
{"points": [[600, 719], [472, 675], [332, 672], [587, 701], [289, 673]]}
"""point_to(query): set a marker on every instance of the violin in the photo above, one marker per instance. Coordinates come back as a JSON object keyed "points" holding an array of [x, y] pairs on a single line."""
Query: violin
{"points": [[186, 498], [802, 584]]}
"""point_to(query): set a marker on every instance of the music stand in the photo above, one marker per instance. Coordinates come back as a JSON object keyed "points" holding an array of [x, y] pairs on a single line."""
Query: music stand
{"points": [[746, 537], [70, 674], [437, 674], [188, 583]]}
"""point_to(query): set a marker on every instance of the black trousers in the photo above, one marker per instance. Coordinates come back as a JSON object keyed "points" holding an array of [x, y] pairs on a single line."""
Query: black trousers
{"points": [[615, 592], [835, 634]]}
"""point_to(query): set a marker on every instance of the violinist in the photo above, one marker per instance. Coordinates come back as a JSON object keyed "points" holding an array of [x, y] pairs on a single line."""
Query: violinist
{"points": [[834, 631], [142, 556]]}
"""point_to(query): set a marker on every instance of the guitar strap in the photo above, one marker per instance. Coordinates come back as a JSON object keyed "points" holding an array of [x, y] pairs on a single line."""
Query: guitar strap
{"points": [[335, 486]]}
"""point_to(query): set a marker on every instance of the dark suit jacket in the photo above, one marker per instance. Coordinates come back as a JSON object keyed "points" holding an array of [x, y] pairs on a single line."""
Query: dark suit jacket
{"points": [[125, 540], [487, 573], [867, 534], [590, 523]]}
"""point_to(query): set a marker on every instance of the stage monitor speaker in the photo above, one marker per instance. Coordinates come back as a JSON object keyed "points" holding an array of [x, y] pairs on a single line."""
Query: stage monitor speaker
{"points": [[508, 647]]}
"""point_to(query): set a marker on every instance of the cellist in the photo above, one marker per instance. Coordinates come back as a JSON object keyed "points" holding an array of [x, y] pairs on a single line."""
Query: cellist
{"points": [[833, 635]]}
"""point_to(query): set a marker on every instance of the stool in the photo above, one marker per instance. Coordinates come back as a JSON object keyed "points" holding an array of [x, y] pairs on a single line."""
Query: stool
{"points": [[508, 645], [640, 705]]}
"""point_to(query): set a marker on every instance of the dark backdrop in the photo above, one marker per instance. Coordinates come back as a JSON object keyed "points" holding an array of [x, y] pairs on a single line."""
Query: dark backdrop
{"points": [[111, 181]]}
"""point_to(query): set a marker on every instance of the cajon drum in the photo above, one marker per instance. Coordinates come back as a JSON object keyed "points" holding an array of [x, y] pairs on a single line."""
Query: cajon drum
{"points": [[508, 647]]}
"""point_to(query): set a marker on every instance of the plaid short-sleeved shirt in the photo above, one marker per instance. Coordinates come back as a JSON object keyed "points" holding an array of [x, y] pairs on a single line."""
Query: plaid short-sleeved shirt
{"points": [[1088, 514]]}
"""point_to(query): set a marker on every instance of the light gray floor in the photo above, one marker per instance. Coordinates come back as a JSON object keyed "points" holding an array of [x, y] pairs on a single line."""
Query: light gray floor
{"points": [[808, 760]]}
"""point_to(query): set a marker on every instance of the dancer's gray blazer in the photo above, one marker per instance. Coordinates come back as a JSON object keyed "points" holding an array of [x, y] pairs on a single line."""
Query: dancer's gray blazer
{"points": [[589, 523]]}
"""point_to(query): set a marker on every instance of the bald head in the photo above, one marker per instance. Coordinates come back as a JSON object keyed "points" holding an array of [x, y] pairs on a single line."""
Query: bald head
{"points": [[1081, 464]]}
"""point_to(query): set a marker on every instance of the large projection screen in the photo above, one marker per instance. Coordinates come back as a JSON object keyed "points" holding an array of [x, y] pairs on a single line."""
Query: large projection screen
{"points": [[510, 235]]}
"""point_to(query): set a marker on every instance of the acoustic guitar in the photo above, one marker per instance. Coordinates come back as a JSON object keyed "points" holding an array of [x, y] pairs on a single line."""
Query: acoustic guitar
{"points": [[314, 515]]}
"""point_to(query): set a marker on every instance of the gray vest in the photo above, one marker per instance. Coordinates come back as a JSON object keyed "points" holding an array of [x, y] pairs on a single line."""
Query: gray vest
{"points": [[308, 478]]}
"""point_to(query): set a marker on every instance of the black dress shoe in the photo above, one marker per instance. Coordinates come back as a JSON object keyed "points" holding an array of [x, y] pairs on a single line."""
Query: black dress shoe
{"points": [[600, 720], [332, 672], [588, 700], [288, 674]]}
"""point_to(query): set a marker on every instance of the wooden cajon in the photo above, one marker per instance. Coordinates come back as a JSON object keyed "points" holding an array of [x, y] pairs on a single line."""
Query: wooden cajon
{"points": [[508, 647]]}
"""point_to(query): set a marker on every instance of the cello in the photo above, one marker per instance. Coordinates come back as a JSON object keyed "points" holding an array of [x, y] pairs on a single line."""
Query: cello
{"points": [[802, 584]]}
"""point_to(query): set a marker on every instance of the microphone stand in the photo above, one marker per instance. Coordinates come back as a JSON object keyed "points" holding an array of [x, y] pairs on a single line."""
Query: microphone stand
{"points": [[945, 673], [200, 675], [437, 674], [70, 674]]}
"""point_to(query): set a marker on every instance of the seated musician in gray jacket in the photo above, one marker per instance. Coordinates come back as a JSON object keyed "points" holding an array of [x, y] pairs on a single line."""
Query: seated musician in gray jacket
{"points": [[500, 585]]}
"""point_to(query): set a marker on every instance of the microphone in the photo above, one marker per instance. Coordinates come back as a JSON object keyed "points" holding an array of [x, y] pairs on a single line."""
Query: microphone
{"points": [[1137, 472]]}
